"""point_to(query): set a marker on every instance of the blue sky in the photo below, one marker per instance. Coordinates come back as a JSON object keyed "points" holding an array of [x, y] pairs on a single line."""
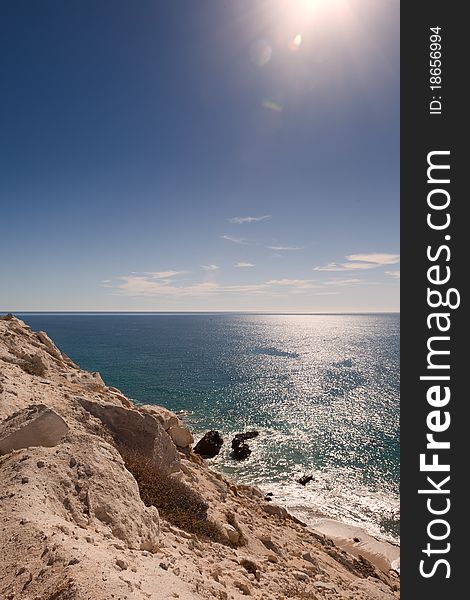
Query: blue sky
{"points": [[210, 155]]}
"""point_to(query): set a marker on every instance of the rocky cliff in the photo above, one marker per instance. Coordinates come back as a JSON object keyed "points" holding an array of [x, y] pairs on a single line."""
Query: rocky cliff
{"points": [[102, 499]]}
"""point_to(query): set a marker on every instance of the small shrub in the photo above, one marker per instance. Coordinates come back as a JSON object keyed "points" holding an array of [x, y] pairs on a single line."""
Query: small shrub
{"points": [[176, 502], [34, 365]]}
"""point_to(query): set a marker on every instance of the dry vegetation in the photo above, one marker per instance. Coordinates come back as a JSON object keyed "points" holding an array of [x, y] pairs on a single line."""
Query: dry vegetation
{"points": [[176, 502]]}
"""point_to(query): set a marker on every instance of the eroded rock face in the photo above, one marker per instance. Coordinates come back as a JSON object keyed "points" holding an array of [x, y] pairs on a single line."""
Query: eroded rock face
{"points": [[210, 444], [136, 431], [34, 426]]}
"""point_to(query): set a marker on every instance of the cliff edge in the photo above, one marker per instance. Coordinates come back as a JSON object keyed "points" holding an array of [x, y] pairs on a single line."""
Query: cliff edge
{"points": [[103, 499]]}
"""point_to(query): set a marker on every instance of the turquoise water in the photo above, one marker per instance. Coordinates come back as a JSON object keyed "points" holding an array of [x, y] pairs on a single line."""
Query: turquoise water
{"points": [[323, 390]]}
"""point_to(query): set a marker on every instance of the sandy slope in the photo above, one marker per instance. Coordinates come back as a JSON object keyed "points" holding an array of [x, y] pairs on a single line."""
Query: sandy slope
{"points": [[74, 525]]}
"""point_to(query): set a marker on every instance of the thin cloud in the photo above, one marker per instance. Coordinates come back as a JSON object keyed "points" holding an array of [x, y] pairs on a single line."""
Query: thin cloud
{"points": [[143, 285], [394, 274], [361, 262], [303, 284], [235, 240], [147, 285], [243, 265], [161, 274], [285, 248], [338, 267], [210, 267], [377, 258], [341, 282], [241, 220]]}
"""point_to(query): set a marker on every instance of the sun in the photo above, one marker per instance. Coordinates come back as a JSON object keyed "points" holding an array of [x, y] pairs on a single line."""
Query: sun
{"points": [[303, 12]]}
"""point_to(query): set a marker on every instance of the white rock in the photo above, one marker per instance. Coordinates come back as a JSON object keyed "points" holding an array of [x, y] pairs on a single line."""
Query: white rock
{"points": [[34, 426], [166, 417], [231, 533], [322, 585], [50, 346], [137, 431], [301, 576], [275, 509]]}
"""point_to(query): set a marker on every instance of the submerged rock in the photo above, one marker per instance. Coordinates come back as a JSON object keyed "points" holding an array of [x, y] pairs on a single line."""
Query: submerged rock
{"points": [[210, 444]]}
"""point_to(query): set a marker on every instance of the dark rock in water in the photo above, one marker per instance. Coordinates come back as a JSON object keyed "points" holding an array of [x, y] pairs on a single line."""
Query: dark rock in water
{"points": [[305, 479], [247, 435], [240, 448], [209, 445], [241, 451]]}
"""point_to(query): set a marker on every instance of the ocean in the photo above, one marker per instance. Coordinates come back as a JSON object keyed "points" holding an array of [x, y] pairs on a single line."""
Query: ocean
{"points": [[322, 390]]}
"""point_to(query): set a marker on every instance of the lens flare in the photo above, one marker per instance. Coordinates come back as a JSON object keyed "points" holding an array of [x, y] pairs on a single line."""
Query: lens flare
{"points": [[295, 44], [260, 53], [271, 105]]}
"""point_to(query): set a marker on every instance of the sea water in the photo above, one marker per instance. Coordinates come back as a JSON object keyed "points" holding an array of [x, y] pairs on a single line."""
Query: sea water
{"points": [[322, 390]]}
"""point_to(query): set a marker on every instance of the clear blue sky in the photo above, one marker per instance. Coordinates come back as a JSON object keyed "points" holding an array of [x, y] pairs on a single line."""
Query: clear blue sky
{"points": [[199, 155]]}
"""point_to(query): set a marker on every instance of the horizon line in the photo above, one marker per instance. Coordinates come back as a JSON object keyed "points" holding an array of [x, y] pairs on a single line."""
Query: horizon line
{"points": [[186, 312]]}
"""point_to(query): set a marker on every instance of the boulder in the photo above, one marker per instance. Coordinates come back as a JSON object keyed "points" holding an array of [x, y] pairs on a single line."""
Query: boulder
{"points": [[34, 426], [142, 433], [231, 533], [275, 509], [181, 436], [301, 576], [210, 444], [166, 417]]}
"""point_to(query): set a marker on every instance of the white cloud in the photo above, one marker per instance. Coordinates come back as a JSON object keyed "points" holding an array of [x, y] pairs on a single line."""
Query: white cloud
{"points": [[303, 284], [143, 285], [336, 267], [235, 240], [282, 248], [243, 265], [361, 262], [162, 274], [395, 274], [377, 258], [149, 285], [241, 220], [210, 267]]}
